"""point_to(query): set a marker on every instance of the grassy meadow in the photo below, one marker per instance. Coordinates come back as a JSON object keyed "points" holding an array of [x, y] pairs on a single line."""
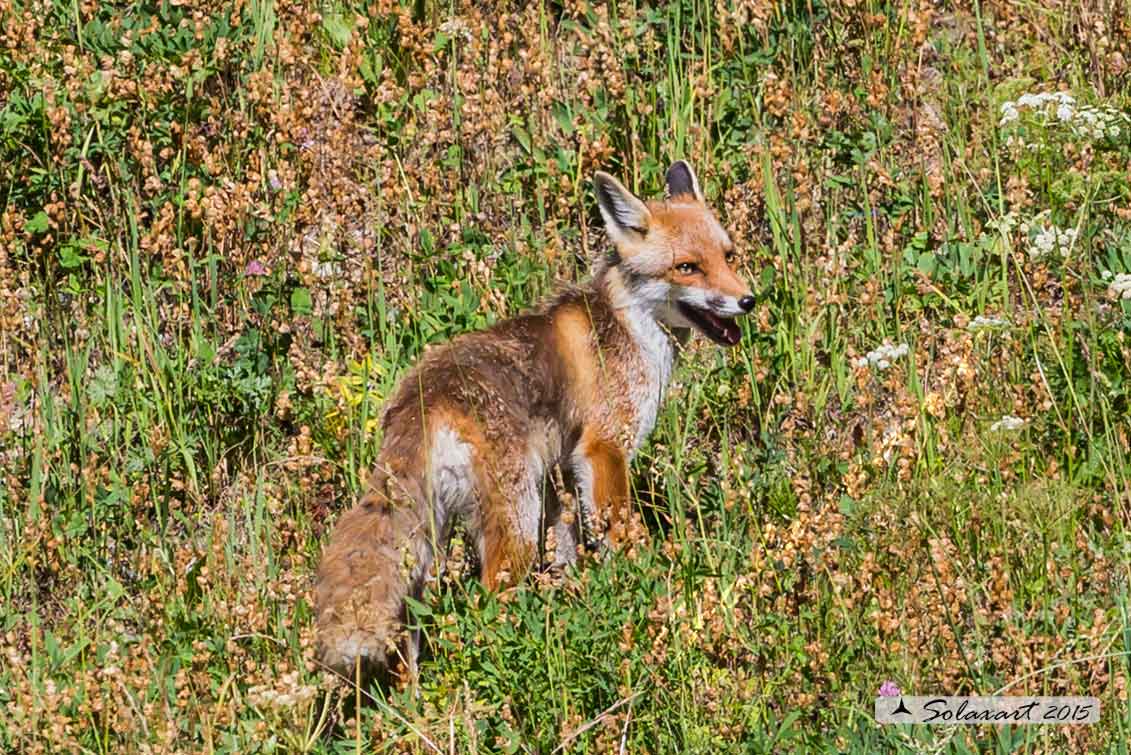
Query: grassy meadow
{"points": [[226, 228]]}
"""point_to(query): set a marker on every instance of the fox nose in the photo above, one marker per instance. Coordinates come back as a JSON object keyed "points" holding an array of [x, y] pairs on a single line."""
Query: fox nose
{"points": [[747, 303]]}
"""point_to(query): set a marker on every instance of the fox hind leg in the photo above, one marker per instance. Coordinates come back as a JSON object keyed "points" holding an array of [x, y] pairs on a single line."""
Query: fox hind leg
{"points": [[511, 522]]}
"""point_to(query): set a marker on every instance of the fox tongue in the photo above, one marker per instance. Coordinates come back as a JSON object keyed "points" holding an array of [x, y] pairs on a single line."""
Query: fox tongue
{"points": [[722, 330], [727, 328], [731, 332]]}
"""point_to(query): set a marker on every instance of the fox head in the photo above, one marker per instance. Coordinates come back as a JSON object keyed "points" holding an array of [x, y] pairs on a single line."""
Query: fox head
{"points": [[674, 256]]}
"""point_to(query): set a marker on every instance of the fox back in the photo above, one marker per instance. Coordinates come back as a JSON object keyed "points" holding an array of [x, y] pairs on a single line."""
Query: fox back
{"points": [[475, 428]]}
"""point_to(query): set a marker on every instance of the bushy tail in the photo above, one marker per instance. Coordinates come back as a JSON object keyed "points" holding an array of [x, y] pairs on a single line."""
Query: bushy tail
{"points": [[375, 556]]}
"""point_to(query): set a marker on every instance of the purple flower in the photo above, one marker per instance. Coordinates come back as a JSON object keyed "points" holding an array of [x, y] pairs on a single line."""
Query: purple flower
{"points": [[889, 689], [255, 267]]}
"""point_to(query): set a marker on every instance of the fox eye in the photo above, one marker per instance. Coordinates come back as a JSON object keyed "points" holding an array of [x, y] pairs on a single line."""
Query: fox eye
{"points": [[730, 257], [687, 268]]}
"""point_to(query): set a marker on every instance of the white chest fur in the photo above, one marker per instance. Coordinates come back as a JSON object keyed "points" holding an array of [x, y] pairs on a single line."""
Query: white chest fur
{"points": [[649, 381]]}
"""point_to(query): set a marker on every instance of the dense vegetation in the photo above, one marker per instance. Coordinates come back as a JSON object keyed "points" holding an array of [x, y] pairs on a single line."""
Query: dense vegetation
{"points": [[226, 229]]}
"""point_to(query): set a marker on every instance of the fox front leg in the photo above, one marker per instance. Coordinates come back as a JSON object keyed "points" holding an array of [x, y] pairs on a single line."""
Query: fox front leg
{"points": [[601, 470]]}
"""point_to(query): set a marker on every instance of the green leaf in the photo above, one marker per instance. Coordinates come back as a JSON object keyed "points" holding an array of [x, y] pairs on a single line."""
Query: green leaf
{"points": [[301, 303], [69, 257], [927, 263], [70, 254], [564, 118], [417, 608], [38, 224], [103, 385], [113, 590], [337, 28], [371, 66], [523, 137]]}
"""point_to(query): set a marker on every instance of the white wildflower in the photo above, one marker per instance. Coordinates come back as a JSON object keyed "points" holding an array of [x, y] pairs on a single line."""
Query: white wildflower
{"points": [[1003, 225], [262, 696], [882, 356], [1041, 99], [1050, 239], [1091, 123], [981, 322], [1007, 423], [456, 27], [325, 269], [1095, 123], [1120, 286], [1009, 113]]}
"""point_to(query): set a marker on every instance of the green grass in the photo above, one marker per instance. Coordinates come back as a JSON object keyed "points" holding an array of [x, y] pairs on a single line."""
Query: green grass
{"points": [[226, 232]]}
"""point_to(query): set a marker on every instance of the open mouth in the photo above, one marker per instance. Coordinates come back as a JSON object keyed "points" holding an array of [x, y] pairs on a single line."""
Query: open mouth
{"points": [[721, 330]]}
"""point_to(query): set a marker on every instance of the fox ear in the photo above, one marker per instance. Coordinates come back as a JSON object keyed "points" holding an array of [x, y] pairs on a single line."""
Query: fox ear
{"points": [[681, 181], [625, 216]]}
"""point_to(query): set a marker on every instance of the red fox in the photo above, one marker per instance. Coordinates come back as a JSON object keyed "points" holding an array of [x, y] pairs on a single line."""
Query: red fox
{"points": [[474, 430]]}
